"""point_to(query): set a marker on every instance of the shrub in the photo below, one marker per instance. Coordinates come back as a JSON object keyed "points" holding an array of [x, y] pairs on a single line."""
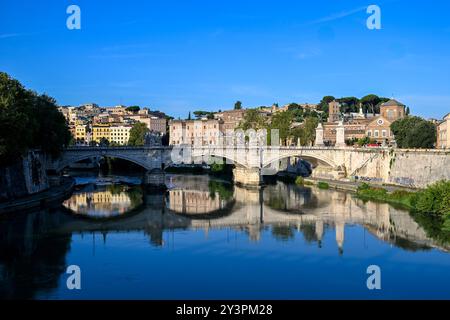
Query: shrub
{"points": [[435, 199], [323, 185]]}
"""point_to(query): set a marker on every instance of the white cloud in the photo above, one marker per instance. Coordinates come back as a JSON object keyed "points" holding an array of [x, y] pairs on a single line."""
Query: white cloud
{"points": [[336, 16]]}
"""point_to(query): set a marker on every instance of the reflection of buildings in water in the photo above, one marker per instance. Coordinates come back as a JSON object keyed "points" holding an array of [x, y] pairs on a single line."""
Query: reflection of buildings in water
{"points": [[251, 213], [101, 203], [193, 202]]}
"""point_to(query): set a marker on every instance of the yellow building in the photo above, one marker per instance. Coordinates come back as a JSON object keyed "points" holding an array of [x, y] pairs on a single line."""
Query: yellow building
{"points": [[120, 134], [100, 131], [80, 132]]}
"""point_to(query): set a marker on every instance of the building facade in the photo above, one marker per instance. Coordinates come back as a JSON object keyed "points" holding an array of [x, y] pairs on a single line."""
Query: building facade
{"points": [[100, 131], [119, 134], [200, 132], [360, 125], [443, 133], [230, 118]]}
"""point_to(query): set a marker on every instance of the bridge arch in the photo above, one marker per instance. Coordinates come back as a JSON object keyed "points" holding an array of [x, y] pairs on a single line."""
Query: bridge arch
{"points": [[312, 158], [68, 160]]}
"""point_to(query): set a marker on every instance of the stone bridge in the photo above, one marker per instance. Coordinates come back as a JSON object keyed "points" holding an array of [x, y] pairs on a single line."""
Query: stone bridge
{"points": [[410, 168]]}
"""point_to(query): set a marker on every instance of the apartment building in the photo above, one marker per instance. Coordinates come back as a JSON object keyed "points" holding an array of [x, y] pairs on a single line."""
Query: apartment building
{"points": [[119, 134], [202, 132]]}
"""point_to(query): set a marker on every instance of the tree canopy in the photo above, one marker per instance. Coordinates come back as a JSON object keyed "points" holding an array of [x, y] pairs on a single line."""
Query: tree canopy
{"points": [[349, 104], [201, 114], [306, 132], [323, 104], [414, 132], [238, 105], [133, 108], [28, 120], [282, 122], [371, 103], [137, 134], [253, 119]]}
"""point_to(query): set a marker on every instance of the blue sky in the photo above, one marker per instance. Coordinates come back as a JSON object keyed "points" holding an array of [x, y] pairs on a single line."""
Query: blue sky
{"points": [[186, 55]]}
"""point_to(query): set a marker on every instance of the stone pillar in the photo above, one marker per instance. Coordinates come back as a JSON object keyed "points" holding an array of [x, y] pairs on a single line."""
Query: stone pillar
{"points": [[247, 177], [319, 136], [155, 179], [340, 135]]}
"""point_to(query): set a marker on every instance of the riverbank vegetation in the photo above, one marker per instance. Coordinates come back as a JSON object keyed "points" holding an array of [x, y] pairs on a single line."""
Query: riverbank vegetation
{"points": [[28, 121], [323, 185], [430, 207]]}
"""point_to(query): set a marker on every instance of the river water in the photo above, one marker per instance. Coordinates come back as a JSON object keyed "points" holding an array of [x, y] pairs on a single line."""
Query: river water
{"points": [[205, 239]]}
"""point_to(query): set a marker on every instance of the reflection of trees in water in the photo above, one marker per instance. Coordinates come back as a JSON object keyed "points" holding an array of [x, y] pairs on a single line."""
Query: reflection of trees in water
{"points": [[224, 190], [283, 233], [31, 261], [287, 232], [390, 236], [289, 197], [433, 226]]}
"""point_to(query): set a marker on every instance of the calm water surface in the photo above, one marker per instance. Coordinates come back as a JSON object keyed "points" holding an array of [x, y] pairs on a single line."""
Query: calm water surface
{"points": [[208, 239]]}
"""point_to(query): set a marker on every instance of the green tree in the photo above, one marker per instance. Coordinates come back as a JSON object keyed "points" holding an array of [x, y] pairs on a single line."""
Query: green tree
{"points": [[306, 132], [253, 119], [137, 134], [371, 103], [349, 104], [238, 105], [323, 104], [200, 114], [28, 120], [133, 109], [414, 132], [50, 129], [282, 122]]}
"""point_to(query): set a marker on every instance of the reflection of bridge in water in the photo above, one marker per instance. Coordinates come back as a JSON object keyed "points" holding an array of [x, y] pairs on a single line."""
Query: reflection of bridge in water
{"points": [[252, 210]]}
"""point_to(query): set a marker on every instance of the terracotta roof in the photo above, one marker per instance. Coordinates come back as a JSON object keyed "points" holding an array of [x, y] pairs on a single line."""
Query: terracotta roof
{"points": [[392, 102]]}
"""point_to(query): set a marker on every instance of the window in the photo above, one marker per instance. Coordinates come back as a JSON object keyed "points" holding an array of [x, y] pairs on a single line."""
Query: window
{"points": [[369, 133], [384, 133], [376, 133]]}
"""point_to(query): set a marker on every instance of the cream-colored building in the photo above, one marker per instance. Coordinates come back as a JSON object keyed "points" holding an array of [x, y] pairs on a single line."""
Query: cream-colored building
{"points": [[119, 134], [443, 133], [202, 132]]}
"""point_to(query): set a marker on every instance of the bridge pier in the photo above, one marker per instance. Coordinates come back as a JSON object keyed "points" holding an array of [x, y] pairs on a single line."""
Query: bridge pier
{"points": [[154, 179], [247, 177]]}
